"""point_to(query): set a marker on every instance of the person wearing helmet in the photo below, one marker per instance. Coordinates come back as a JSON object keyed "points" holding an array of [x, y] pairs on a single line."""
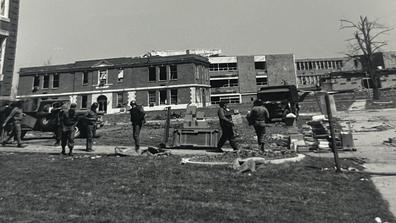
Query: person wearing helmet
{"points": [[56, 114], [91, 118], [15, 117], [69, 122], [137, 118], [227, 127]]}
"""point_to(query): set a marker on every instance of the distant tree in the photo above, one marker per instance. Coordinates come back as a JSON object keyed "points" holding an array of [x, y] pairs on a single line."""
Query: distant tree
{"points": [[364, 44]]}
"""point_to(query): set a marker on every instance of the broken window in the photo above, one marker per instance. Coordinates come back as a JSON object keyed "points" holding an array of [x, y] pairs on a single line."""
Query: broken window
{"points": [[152, 98], [36, 82], [103, 77], [173, 72], [85, 78], [55, 81], [46, 81], [120, 77], [163, 97], [4, 4], [173, 99], [152, 73], [162, 74], [260, 65]]}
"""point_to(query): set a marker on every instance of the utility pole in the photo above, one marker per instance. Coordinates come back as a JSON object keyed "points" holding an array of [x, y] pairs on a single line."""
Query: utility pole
{"points": [[332, 133]]}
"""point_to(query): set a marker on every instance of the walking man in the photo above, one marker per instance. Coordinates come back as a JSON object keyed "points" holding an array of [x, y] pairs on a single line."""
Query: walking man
{"points": [[258, 117], [69, 122], [226, 124], [15, 117], [137, 118], [91, 118]]}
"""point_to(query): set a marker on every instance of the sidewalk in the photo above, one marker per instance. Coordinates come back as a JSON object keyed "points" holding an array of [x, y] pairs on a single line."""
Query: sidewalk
{"points": [[102, 150]]}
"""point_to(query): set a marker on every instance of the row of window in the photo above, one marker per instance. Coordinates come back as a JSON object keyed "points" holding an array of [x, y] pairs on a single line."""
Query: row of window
{"points": [[49, 81], [260, 81], [163, 73], [161, 97], [319, 65], [261, 65]]}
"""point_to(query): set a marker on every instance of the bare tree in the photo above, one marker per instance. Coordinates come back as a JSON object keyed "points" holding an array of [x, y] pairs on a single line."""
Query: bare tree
{"points": [[364, 44]]}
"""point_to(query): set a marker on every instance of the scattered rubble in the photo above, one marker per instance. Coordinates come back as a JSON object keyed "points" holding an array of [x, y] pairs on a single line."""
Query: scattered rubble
{"points": [[390, 142]]}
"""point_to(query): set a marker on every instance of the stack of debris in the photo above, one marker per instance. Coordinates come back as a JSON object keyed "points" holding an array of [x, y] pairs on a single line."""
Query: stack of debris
{"points": [[390, 142], [317, 136]]}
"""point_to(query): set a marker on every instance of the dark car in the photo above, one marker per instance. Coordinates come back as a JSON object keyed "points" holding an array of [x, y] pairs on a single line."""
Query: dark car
{"points": [[280, 100], [40, 118]]}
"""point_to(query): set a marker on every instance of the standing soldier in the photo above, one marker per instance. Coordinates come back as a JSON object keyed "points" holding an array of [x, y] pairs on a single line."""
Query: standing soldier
{"points": [[4, 111], [56, 114], [226, 124], [137, 119], [15, 117], [91, 118], [69, 121], [258, 117]]}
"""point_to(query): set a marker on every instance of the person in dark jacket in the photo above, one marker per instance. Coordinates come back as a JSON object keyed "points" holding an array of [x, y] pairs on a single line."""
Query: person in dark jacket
{"points": [[258, 116], [56, 114], [4, 112], [15, 117], [137, 119], [226, 124], [91, 118], [69, 122]]}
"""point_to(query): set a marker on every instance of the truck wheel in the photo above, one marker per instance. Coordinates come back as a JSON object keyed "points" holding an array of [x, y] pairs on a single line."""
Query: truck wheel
{"points": [[77, 132]]}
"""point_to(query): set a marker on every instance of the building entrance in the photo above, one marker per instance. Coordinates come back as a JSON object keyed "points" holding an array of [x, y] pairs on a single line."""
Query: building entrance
{"points": [[102, 101]]}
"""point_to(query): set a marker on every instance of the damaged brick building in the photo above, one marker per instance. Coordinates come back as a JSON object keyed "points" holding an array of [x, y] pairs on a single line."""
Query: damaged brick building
{"points": [[155, 82]]}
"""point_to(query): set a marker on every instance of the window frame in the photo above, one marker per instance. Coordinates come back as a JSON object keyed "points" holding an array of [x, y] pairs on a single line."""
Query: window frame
{"points": [[3, 44], [48, 85], [150, 73], [86, 101], [53, 80], [173, 73], [172, 102], [149, 102], [6, 14], [85, 73], [106, 72], [120, 95], [162, 68], [166, 97]]}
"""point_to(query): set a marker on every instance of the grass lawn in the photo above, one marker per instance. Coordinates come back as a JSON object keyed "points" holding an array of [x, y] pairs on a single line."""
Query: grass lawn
{"points": [[52, 188]]}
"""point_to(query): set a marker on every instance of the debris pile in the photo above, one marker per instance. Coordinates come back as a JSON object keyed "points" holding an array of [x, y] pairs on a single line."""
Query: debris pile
{"points": [[317, 136], [390, 142]]}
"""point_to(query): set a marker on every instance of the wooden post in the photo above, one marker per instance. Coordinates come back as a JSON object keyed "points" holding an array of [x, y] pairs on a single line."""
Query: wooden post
{"points": [[167, 125], [332, 133]]}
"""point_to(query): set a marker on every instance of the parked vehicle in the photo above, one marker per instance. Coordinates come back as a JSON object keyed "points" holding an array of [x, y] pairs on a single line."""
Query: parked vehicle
{"points": [[39, 117], [280, 100]]}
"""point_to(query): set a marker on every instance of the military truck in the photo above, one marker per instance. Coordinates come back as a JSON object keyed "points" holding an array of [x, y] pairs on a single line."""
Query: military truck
{"points": [[280, 100]]}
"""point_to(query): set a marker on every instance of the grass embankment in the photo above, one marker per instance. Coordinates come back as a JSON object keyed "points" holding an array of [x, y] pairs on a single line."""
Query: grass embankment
{"points": [[52, 188]]}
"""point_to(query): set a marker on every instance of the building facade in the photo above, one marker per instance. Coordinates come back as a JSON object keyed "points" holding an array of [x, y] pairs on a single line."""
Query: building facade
{"points": [[154, 82], [9, 12], [236, 79]]}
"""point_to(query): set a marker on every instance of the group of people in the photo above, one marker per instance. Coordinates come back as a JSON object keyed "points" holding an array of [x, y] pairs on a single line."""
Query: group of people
{"points": [[66, 123], [258, 117], [66, 120]]}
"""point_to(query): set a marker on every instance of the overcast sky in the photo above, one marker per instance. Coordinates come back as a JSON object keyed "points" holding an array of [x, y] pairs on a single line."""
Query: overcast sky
{"points": [[63, 31]]}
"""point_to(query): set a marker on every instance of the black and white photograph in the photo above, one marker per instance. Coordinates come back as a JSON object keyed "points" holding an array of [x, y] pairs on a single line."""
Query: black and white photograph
{"points": [[198, 111]]}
